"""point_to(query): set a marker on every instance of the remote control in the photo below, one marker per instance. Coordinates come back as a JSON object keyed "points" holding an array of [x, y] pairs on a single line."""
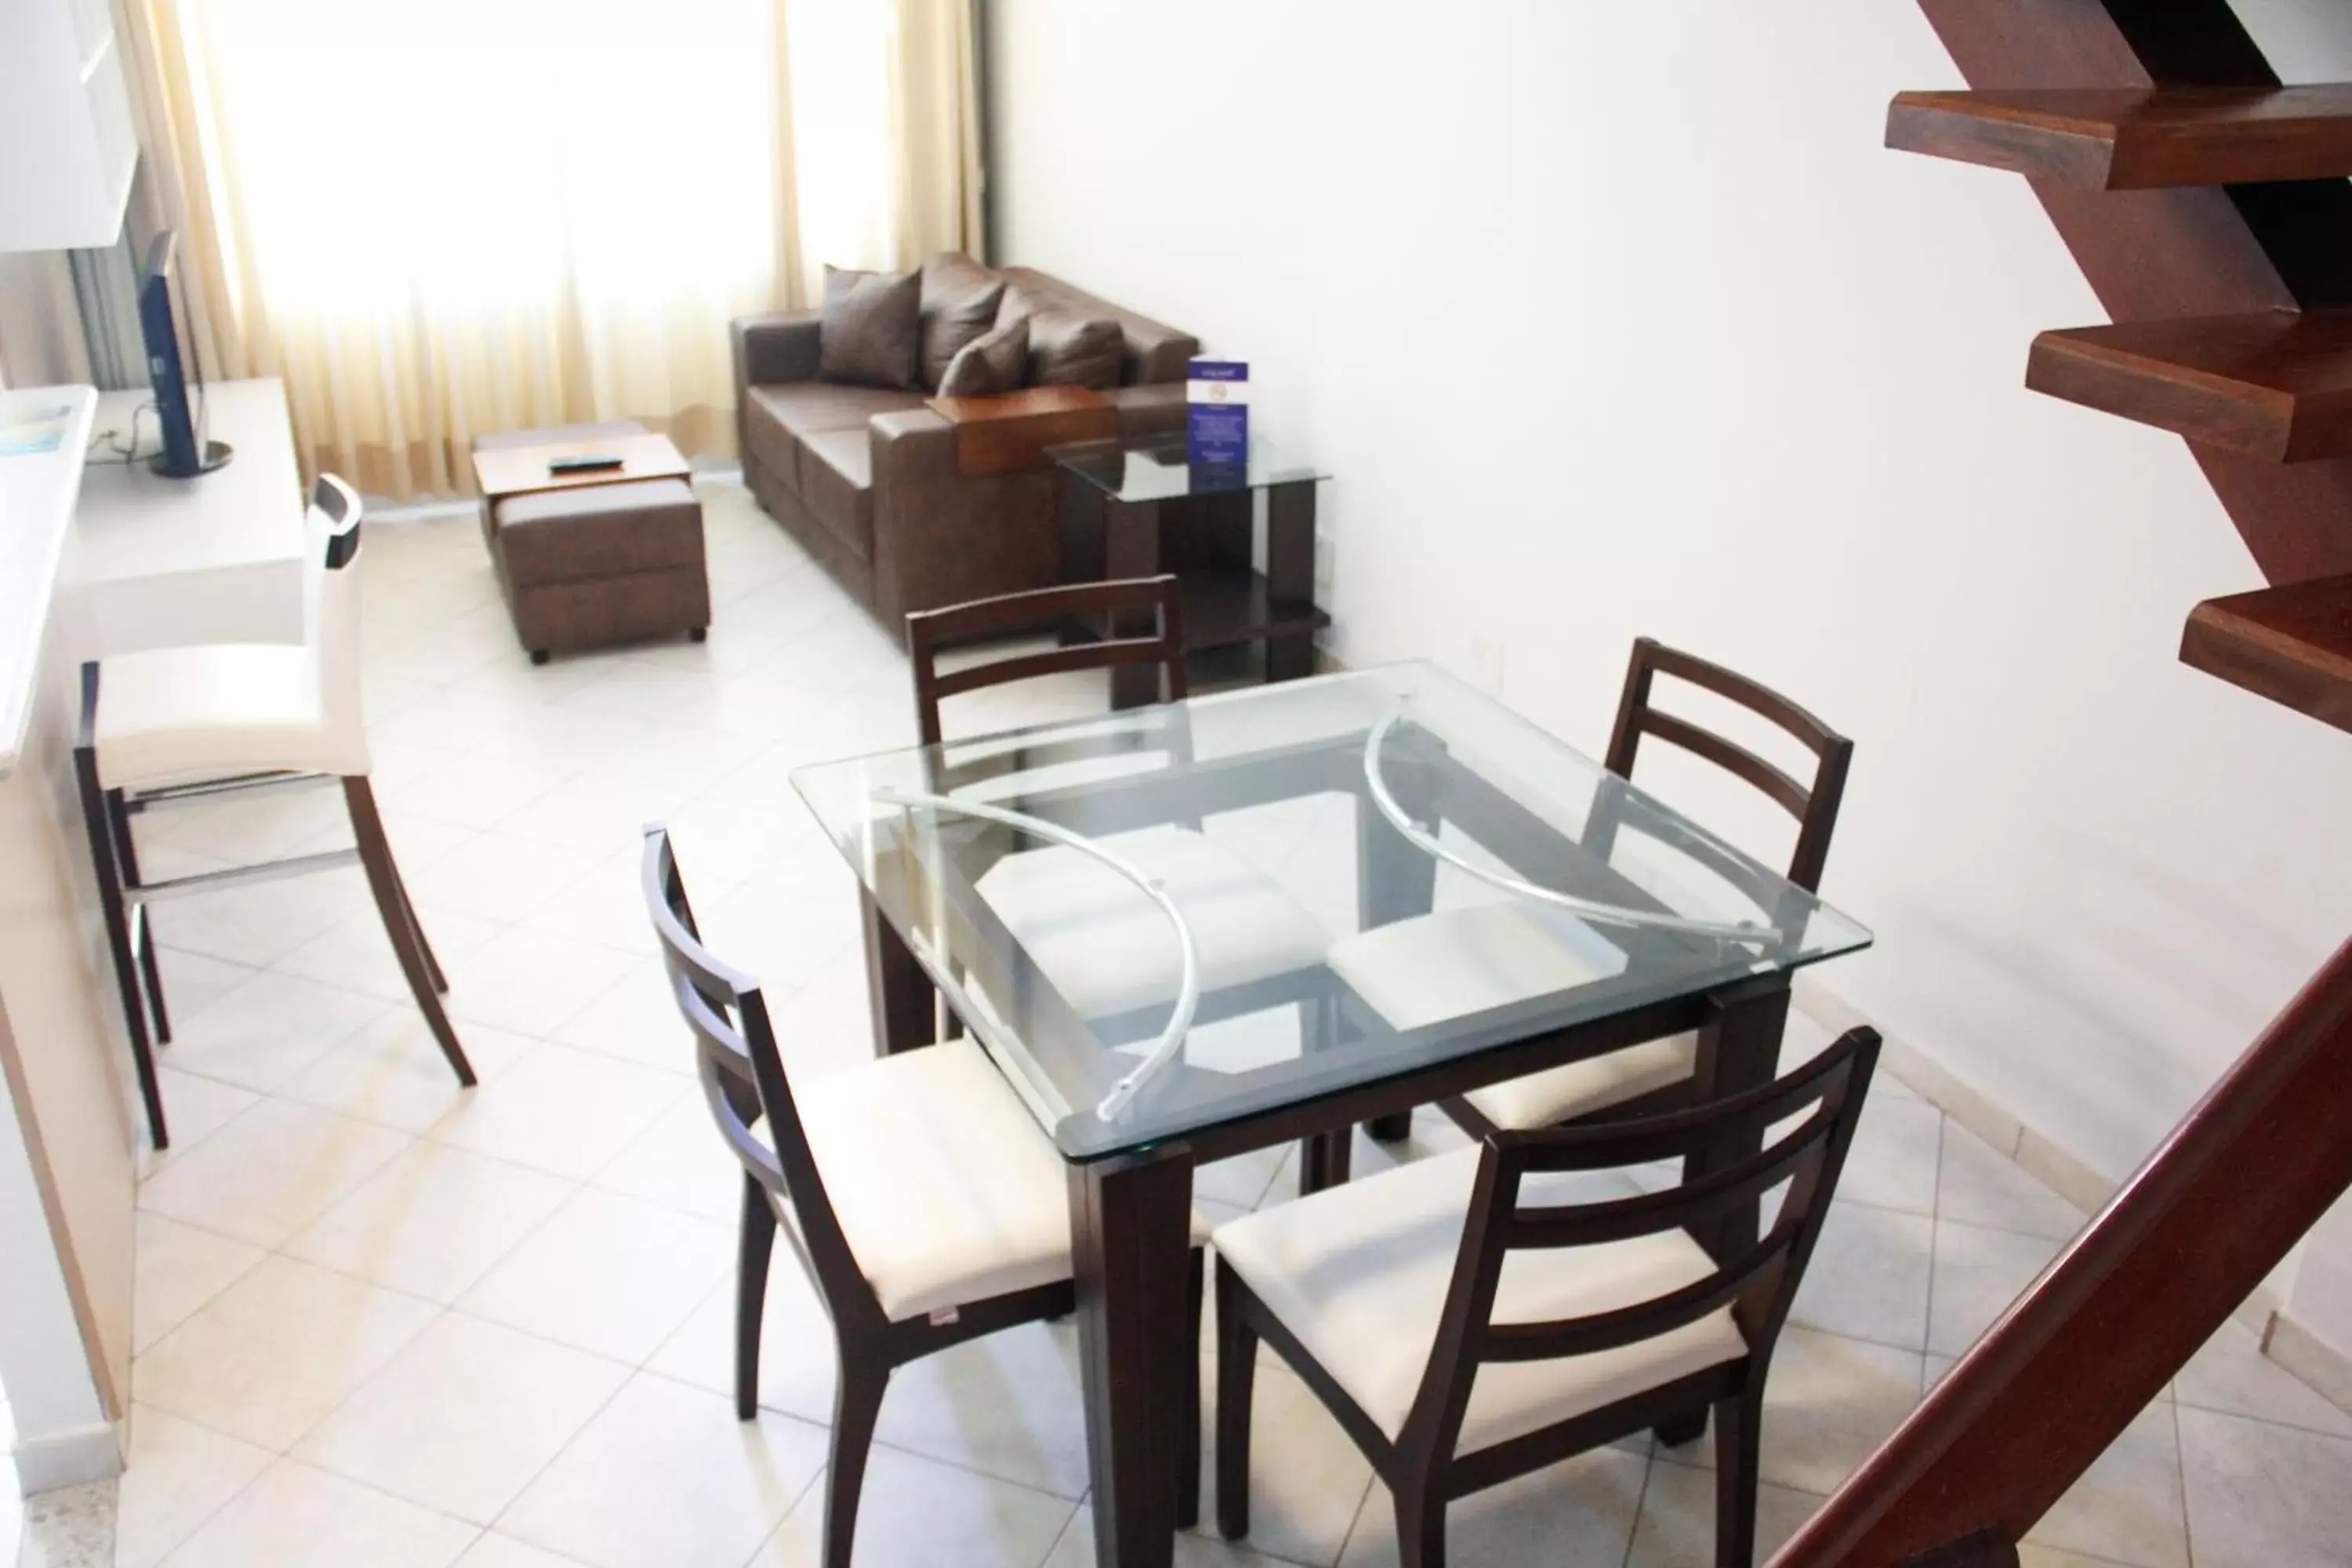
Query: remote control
{"points": [[588, 465]]}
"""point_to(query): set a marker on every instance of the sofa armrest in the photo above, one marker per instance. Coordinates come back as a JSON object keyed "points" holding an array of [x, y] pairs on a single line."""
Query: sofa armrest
{"points": [[779, 346], [942, 536]]}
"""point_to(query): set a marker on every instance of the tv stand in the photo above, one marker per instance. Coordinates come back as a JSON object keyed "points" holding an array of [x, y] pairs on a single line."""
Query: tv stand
{"points": [[216, 456]]}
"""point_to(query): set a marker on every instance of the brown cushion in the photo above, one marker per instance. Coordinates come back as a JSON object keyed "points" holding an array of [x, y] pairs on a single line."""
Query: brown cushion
{"points": [[776, 417], [960, 300], [871, 327], [836, 482], [598, 530], [1065, 348], [994, 361]]}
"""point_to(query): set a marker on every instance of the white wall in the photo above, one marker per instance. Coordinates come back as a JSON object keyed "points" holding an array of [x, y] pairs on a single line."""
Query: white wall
{"points": [[1614, 319]]}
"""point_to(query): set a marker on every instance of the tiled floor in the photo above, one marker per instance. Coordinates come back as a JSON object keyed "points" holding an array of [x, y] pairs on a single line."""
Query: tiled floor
{"points": [[382, 1322]]}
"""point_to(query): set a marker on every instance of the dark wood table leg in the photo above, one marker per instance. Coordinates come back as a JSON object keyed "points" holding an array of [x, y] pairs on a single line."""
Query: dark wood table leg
{"points": [[1739, 1049], [1130, 1232], [1080, 521], [904, 1001], [1394, 880], [1131, 549], [1290, 574]]}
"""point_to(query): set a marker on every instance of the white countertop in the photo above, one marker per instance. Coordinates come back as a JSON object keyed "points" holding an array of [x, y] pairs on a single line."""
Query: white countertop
{"points": [[37, 491], [137, 523]]}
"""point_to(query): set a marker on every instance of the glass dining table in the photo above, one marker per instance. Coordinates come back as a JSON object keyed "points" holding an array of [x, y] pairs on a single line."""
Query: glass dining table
{"points": [[1188, 931]]}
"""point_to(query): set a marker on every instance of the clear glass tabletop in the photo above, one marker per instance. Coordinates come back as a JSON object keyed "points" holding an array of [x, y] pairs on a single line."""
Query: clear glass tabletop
{"points": [[1155, 469], [1180, 916]]}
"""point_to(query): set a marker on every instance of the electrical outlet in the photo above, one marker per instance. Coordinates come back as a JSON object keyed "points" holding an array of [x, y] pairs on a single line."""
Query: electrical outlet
{"points": [[1486, 660]]}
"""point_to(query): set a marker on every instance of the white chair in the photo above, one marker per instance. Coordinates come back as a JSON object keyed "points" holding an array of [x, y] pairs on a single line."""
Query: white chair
{"points": [[1458, 962], [1483, 1314], [924, 1202], [179, 726]]}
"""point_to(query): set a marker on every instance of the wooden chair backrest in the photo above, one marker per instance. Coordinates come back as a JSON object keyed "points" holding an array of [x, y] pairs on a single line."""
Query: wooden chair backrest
{"points": [[929, 631], [1815, 806]]}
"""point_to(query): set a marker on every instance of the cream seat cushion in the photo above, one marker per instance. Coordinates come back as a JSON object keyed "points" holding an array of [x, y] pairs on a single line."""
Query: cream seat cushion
{"points": [[1360, 1274], [1460, 962], [173, 714], [945, 1187], [1108, 949]]}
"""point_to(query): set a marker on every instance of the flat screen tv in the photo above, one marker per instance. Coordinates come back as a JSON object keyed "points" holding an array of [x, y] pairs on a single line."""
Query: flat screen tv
{"points": [[172, 365]]}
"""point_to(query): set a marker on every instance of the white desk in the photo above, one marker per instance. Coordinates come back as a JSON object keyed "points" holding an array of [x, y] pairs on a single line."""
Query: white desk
{"points": [[217, 558], [37, 501]]}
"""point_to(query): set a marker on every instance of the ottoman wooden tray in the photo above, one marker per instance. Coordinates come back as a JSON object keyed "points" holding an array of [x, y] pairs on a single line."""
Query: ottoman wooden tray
{"points": [[589, 560]]}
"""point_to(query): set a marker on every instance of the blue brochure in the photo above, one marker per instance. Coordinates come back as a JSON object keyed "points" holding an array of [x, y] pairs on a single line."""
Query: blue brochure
{"points": [[1216, 415]]}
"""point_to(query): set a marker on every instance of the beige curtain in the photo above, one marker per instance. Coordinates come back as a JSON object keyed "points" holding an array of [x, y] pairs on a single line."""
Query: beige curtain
{"points": [[453, 216]]}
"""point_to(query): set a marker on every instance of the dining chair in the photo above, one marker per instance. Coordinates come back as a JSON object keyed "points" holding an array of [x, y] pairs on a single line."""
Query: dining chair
{"points": [[1465, 960], [186, 726], [1101, 946], [925, 1205], [1479, 1315]]}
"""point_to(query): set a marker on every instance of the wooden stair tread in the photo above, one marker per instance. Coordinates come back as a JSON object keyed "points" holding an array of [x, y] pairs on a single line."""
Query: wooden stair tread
{"points": [[2272, 384], [2124, 138], [2291, 644]]}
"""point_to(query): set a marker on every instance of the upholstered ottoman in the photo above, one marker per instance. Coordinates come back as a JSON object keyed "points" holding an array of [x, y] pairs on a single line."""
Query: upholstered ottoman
{"points": [[594, 564]]}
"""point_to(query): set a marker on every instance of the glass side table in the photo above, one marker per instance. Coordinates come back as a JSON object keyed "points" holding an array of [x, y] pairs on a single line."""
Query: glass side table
{"points": [[1136, 508]]}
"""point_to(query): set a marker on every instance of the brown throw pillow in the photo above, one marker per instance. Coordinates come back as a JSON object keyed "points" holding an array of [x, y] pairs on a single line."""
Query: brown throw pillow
{"points": [[960, 302], [870, 330], [994, 361], [1066, 348]]}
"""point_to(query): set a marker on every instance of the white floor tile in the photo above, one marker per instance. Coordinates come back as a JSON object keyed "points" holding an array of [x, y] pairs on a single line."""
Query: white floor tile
{"points": [[194, 1108], [473, 791], [2127, 1507], [2232, 1375], [666, 1476], [528, 982], [2262, 1496], [1677, 1527], [464, 1417], [606, 1274], [915, 1513], [1009, 1406], [1581, 1511], [634, 1018], [270, 1173], [1979, 1273], [596, 816], [496, 1551], [295, 1517], [1306, 1478], [260, 924], [176, 1476], [785, 941], [561, 1110], [1891, 1163], [1868, 1279], [1978, 1186], [797, 1369], [681, 1162], [494, 878], [267, 1029], [1197, 1548], [432, 1222], [357, 956], [276, 1351], [1828, 1404], [177, 1268], [393, 1072]]}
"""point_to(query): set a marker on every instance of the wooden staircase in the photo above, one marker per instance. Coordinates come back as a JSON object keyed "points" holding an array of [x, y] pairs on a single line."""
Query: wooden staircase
{"points": [[2208, 207]]}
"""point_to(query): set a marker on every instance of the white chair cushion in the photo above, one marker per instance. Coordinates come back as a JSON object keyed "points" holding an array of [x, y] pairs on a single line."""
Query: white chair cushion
{"points": [[1108, 949], [1460, 962], [176, 714], [1563, 1093], [1360, 1274], [945, 1187]]}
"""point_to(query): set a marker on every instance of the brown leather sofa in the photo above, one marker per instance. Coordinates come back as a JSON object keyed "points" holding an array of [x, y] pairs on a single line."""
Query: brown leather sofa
{"points": [[865, 478]]}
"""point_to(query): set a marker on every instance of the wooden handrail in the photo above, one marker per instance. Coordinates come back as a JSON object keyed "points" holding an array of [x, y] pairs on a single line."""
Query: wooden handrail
{"points": [[2132, 1298]]}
